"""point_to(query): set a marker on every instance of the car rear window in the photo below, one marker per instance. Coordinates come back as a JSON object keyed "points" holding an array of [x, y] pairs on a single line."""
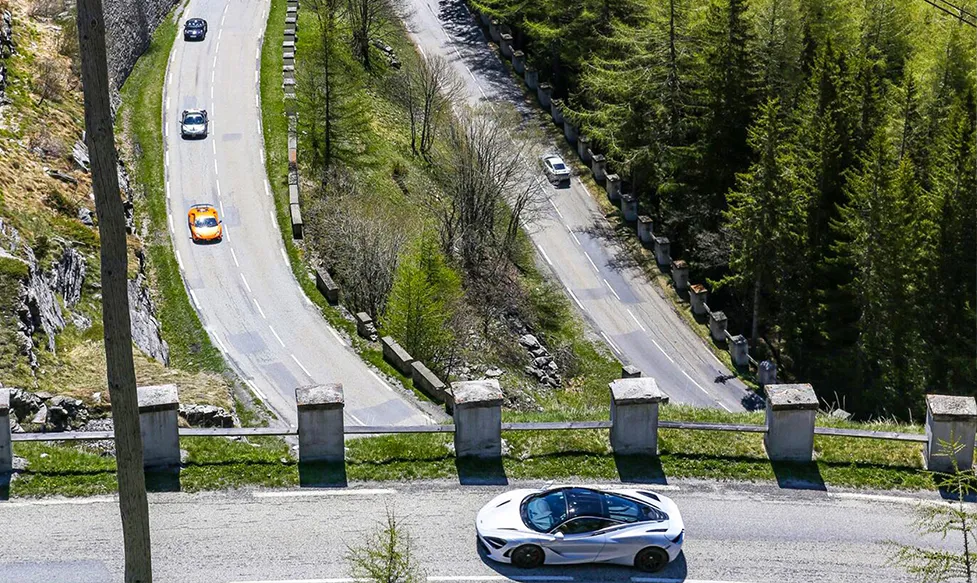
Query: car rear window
{"points": [[195, 24], [558, 166]]}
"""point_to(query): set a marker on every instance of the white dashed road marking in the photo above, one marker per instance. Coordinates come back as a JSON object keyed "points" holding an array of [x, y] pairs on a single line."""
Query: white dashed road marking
{"points": [[246, 286], [305, 370]]}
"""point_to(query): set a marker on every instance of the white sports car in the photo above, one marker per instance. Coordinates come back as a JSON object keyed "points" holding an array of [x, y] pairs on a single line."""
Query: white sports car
{"points": [[566, 525], [555, 168]]}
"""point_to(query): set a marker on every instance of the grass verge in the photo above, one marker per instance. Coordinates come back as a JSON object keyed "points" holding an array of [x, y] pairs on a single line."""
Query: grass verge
{"points": [[218, 463], [141, 121]]}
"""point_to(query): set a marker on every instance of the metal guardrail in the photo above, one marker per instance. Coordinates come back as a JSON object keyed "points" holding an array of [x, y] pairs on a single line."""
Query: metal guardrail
{"points": [[523, 426]]}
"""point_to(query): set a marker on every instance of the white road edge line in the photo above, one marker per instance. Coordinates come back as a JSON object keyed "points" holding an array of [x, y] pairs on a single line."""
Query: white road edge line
{"points": [[284, 255], [218, 341], [260, 311], [336, 334], [305, 370], [172, 229], [574, 296], [611, 342], [545, 256], [326, 492], [379, 380], [248, 287], [257, 391], [179, 260], [193, 298], [608, 284], [592, 264], [234, 257]]}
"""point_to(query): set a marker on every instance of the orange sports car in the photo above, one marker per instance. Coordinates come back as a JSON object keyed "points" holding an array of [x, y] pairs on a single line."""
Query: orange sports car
{"points": [[205, 225]]}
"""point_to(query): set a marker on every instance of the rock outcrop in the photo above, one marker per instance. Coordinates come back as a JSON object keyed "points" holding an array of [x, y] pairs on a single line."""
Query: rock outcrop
{"points": [[206, 416], [7, 48], [146, 329], [68, 276]]}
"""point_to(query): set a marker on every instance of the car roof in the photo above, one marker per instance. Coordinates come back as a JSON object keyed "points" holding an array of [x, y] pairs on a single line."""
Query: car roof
{"points": [[195, 21]]}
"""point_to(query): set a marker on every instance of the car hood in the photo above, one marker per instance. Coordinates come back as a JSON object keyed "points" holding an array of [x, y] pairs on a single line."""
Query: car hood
{"points": [[193, 128], [207, 231], [503, 512]]}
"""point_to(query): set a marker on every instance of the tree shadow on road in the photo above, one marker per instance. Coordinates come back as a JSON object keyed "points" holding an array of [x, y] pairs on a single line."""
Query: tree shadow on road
{"points": [[322, 475], [473, 471], [640, 469]]}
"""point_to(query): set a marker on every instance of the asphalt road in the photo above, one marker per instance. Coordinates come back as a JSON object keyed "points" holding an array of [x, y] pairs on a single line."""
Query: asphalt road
{"points": [[572, 237], [242, 287], [735, 533]]}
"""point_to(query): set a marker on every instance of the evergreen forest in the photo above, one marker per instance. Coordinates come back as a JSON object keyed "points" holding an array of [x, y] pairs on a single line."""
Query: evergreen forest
{"points": [[814, 161]]}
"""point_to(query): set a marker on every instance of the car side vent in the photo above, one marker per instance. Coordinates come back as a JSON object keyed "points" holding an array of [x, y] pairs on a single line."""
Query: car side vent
{"points": [[650, 495], [658, 530], [503, 503]]}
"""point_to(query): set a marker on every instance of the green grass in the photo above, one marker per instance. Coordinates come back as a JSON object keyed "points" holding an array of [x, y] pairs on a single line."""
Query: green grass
{"points": [[141, 119]]}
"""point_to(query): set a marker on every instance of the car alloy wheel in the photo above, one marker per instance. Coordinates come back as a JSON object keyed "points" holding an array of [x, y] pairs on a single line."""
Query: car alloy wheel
{"points": [[651, 559], [527, 557]]}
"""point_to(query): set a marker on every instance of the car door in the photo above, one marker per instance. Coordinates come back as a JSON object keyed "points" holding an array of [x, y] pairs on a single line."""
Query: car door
{"points": [[581, 541]]}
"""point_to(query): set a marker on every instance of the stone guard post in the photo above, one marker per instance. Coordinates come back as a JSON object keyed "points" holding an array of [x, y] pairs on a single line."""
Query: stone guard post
{"points": [[320, 412], [790, 422], [478, 418], [6, 451], [739, 350], [634, 415], [952, 420], [630, 372], [629, 204], [698, 295], [159, 407]]}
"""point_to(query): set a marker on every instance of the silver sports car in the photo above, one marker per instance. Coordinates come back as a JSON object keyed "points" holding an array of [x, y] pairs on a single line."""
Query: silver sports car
{"points": [[566, 525]]}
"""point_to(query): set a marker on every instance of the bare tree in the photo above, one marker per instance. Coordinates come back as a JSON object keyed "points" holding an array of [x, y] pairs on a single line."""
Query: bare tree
{"points": [[368, 19], [387, 556], [359, 245], [427, 93], [51, 80], [488, 190], [115, 298]]}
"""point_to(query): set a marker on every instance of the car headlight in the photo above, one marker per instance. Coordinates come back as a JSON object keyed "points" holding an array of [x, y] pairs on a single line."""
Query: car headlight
{"points": [[496, 543]]}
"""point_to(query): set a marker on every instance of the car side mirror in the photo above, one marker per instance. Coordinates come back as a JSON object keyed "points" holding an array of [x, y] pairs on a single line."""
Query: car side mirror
{"points": [[558, 535]]}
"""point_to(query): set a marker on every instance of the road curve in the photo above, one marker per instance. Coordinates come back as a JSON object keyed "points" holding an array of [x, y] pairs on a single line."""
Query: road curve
{"points": [[242, 287], [572, 237], [734, 533]]}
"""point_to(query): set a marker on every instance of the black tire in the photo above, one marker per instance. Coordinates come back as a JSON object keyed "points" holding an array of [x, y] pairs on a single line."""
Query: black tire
{"points": [[527, 557], [651, 560]]}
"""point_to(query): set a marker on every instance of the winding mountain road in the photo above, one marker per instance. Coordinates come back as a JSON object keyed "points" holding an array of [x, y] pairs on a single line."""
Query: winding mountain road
{"points": [[574, 239], [242, 287]]}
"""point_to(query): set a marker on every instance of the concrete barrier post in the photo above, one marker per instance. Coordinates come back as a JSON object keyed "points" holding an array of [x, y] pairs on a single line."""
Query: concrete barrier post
{"points": [[531, 77], [717, 326], [427, 381], [583, 149], [556, 111], [614, 193], [570, 131], [646, 229], [739, 350], [790, 423], [326, 286], [634, 415], [680, 274], [297, 223], [598, 165], [494, 31], [320, 413], [396, 355], [663, 250], [364, 325], [6, 451], [545, 94], [477, 410], [630, 372], [505, 45], [767, 373], [951, 422], [519, 61], [486, 19], [159, 408], [698, 295], [629, 204]]}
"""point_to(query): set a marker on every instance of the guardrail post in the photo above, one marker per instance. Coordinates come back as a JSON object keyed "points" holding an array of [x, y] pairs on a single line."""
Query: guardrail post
{"points": [[634, 415], [767, 372], [630, 372], [614, 192], [159, 408], [6, 451], [364, 326], [739, 350], [598, 165], [717, 325], [477, 410], [698, 295], [396, 355], [519, 62], [951, 422], [556, 111], [320, 413], [646, 229], [505, 45], [790, 422], [427, 381], [680, 274], [583, 150], [629, 204], [532, 77], [543, 93], [494, 31], [663, 250]]}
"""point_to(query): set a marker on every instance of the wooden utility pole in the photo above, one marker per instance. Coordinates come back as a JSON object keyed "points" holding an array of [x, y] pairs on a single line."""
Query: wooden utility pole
{"points": [[100, 138]]}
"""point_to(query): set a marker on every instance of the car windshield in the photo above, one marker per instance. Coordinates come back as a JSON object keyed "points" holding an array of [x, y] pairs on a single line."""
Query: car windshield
{"points": [[195, 24], [194, 119], [204, 222], [544, 511]]}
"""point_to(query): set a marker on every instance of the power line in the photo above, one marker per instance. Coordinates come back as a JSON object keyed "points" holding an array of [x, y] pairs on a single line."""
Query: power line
{"points": [[959, 15]]}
